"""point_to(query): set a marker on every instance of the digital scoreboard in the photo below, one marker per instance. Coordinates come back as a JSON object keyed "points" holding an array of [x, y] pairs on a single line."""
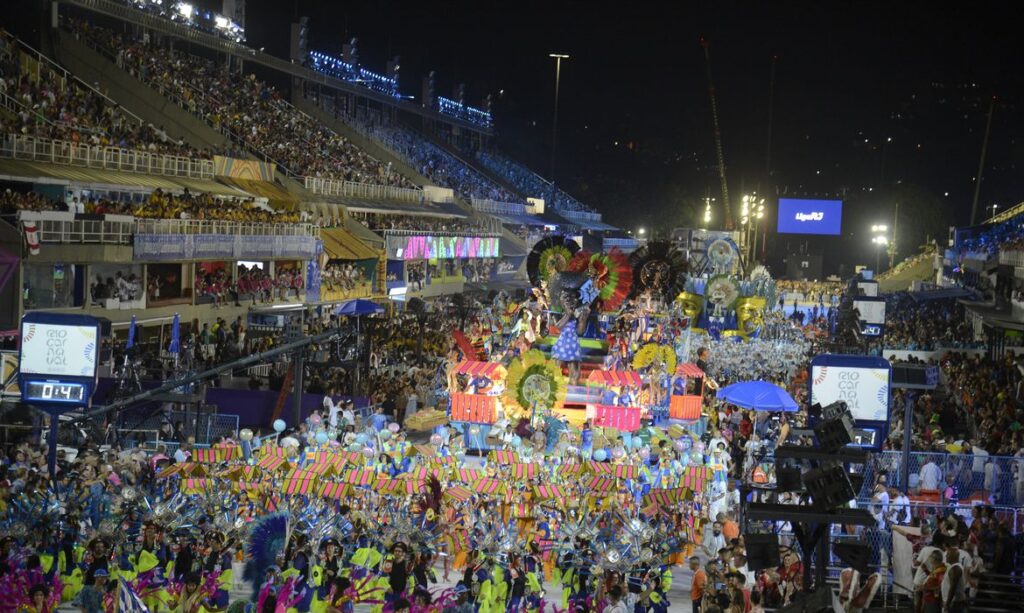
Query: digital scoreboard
{"points": [[864, 383], [58, 365]]}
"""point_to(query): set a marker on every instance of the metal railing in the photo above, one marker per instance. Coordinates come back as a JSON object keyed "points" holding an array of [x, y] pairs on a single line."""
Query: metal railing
{"points": [[84, 231], [1000, 481], [499, 208], [39, 149], [213, 226], [622, 243], [351, 189], [1012, 257], [579, 215], [469, 233]]}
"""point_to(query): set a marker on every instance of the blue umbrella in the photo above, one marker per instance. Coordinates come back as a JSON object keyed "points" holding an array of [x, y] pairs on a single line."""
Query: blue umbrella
{"points": [[358, 307], [131, 333], [758, 395], [175, 335]]}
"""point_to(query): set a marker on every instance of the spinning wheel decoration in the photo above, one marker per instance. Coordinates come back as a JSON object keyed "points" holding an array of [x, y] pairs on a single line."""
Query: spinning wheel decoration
{"points": [[721, 292], [611, 273], [722, 254], [659, 268], [533, 380], [548, 256]]}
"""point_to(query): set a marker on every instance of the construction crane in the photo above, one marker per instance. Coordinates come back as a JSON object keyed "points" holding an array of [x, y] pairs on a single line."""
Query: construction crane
{"points": [[718, 135]]}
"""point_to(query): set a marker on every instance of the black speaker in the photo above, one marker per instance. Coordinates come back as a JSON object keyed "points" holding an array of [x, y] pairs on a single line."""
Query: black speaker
{"points": [[762, 551], [834, 434], [830, 488], [787, 479], [855, 555]]}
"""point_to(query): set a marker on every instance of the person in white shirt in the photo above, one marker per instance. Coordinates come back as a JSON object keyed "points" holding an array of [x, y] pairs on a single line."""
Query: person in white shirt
{"points": [[899, 507], [931, 476], [954, 583], [992, 478], [332, 411], [980, 455], [348, 415], [880, 506]]}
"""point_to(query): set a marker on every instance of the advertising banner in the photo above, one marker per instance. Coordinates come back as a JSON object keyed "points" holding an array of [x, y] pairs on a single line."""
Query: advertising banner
{"points": [[177, 247], [425, 247]]}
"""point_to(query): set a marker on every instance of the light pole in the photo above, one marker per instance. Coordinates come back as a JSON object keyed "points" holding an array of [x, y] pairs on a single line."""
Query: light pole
{"points": [[881, 240], [751, 210], [554, 124], [707, 211], [993, 207]]}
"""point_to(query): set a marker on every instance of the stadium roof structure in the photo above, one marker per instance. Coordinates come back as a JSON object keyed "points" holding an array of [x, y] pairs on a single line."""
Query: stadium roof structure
{"points": [[20, 170]]}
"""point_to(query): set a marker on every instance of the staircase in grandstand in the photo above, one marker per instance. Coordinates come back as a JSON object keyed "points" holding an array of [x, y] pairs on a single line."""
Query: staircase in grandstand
{"points": [[282, 394]]}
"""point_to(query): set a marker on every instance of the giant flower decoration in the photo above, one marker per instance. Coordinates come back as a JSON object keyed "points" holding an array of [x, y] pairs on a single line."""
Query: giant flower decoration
{"points": [[534, 380], [652, 354]]}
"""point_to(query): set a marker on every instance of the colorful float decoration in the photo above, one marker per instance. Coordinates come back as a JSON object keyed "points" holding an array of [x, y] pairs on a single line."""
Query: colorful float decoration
{"points": [[549, 255], [534, 382], [610, 272]]}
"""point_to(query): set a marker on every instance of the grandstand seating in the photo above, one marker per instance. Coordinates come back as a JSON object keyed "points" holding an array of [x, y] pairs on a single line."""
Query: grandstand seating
{"points": [[251, 112], [529, 182]]}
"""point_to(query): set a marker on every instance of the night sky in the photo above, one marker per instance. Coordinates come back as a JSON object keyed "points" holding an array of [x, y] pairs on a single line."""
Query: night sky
{"points": [[846, 73], [635, 133]]}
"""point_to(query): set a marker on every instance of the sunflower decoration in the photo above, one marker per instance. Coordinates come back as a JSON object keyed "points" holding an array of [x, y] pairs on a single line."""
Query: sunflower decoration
{"points": [[611, 273], [721, 293], [548, 256], [655, 354], [534, 380], [658, 267]]}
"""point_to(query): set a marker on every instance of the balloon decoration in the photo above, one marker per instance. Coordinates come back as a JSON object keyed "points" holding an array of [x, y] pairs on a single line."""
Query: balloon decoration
{"points": [[321, 437], [548, 256], [534, 380], [385, 435], [600, 455], [435, 439], [315, 420], [245, 434], [279, 425], [394, 428]]}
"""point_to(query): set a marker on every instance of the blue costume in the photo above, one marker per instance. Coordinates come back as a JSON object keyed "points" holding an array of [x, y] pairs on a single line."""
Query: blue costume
{"points": [[567, 347]]}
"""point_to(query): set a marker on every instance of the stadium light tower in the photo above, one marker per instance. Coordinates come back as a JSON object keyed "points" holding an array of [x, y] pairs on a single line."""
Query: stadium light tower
{"points": [[554, 124], [881, 241]]}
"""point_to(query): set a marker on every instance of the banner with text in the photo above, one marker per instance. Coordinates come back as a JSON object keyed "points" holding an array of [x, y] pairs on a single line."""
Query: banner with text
{"points": [[174, 247]]}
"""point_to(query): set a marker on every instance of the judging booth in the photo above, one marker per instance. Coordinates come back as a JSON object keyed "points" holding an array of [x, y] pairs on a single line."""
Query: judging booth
{"points": [[687, 397], [615, 409]]}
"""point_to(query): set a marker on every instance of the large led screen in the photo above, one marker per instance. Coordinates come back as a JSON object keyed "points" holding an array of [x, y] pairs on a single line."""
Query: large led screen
{"points": [[799, 216]]}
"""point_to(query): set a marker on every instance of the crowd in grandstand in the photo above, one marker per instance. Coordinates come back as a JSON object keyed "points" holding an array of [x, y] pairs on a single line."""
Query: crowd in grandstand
{"points": [[441, 167], [123, 287], [529, 182], [157, 205], [253, 284], [342, 276], [50, 104], [382, 222], [819, 292], [247, 109], [924, 326]]}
